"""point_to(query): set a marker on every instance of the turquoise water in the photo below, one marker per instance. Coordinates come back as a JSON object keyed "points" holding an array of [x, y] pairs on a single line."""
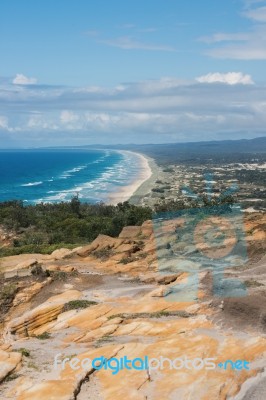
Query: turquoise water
{"points": [[56, 175]]}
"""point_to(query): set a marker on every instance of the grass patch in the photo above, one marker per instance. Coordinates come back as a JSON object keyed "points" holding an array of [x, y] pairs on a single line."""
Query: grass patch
{"points": [[157, 314], [104, 253], [58, 275], [127, 260], [24, 352], [11, 377], [32, 248], [252, 283], [43, 336], [78, 304], [8, 292], [103, 340], [32, 365]]}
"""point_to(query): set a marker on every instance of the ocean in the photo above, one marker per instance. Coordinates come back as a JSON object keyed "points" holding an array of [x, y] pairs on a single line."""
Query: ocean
{"points": [[36, 176]]}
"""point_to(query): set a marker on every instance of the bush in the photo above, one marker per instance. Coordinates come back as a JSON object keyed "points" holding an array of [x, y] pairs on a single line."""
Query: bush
{"points": [[58, 275], [103, 253], [78, 304], [42, 228], [24, 352], [8, 291], [43, 336]]}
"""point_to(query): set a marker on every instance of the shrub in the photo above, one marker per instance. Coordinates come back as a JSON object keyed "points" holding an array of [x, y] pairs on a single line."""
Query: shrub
{"points": [[78, 304], [11, 377], [104, 253], [43, 336], [58, 275], [8, 291], [24, 352], [126, 260]]}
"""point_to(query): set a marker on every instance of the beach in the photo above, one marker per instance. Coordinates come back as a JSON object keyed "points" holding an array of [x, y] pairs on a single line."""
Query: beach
{"points": [[140, 186]]}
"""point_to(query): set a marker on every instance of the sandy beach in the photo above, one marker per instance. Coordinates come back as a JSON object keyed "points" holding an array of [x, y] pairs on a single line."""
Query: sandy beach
{"points": [[141, 185]]}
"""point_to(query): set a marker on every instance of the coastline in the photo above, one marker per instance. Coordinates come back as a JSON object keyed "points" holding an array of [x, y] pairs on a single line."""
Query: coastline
{"points": [[140, 186], [146, 186]]}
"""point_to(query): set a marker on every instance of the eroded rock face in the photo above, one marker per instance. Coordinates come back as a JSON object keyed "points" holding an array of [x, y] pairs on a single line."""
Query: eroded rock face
{"points": [[9, 361], [148, 323], [33, 322], [26, 294]]}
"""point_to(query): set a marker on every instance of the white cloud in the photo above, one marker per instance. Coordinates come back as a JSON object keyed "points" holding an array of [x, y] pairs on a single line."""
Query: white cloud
{"points": [[166, 109], [225, 37], [249, 3], [257, 14], [249, 45], [128, 43], [230, 78], [68, 116], [3, 122], [21, 79]]}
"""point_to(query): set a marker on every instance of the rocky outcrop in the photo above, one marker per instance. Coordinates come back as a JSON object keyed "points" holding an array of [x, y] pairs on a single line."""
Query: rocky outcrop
{"points": [[9, 361], [27, 293], [33, 322], [136, 323]]}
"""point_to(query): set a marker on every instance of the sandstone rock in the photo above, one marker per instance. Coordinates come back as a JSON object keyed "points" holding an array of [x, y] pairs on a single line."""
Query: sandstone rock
{"points": [[101, 242], [130, 232], [27, 264], [26, 294], [166, 279], [147, 229], [8, 363], [28, 323], [139, 329], [161, 291], [52, 267], [60, 254], [148, 278]]}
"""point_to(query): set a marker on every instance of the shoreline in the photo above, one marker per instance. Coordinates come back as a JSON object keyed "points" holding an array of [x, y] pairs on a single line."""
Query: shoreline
{"points": [[135, 190]]}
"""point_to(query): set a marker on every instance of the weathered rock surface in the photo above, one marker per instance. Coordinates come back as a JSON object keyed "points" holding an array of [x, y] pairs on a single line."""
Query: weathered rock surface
{"points": [[29, 322], [9, 361], [146, 322]]}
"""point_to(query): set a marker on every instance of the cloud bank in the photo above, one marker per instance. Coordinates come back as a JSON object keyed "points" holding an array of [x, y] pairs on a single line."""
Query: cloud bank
{"points": [[21, 79], [231, 78], [249, 45], [211, 107]]}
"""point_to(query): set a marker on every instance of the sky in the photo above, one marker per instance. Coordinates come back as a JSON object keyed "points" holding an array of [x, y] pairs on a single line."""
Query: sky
{"points": [[76, 72]]}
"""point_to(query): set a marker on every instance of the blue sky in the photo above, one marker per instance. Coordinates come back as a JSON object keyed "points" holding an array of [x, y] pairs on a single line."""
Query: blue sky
{"points": [[81, 72]]}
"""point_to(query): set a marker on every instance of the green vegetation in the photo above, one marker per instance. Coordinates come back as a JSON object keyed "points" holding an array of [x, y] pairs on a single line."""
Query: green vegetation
{"points": [[127, 260], [7, 292], [77, 304], [215, 205], [32, 365], [58, 275], [104, 253], [168, 170], [104, 339], [158, 190], [253, 283], [24, 352], [156, 314], [11, 377], [43, 228], [43, 336]]}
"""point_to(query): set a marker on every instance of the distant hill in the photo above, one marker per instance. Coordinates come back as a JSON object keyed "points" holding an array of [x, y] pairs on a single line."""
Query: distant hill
{"points": [[223, 151], [203, 152]]}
